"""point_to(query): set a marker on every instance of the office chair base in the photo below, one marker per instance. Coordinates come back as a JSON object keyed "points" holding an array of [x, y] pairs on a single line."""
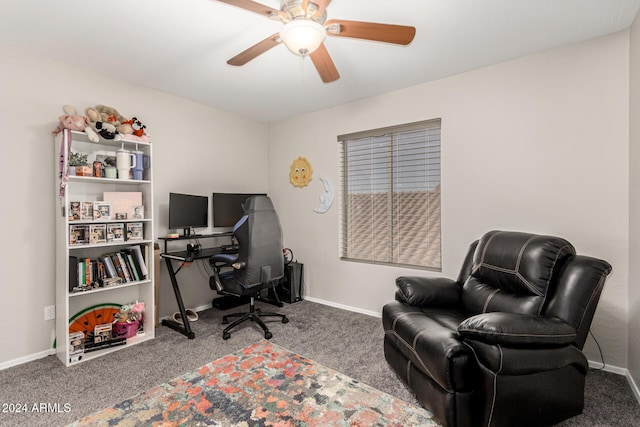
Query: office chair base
{"points": [[254, 316]]}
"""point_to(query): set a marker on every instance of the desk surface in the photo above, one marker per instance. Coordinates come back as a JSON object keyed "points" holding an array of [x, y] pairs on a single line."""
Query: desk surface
{"points": [[203, 253]]}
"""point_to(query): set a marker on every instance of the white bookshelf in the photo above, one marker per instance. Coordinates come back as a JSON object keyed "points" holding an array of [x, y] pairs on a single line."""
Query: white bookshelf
{"points": [[85, 188]]}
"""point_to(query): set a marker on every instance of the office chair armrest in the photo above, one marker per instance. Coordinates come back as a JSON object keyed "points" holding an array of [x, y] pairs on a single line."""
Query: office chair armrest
{"points": [[218, 262], [517, 330], [222, 260]]}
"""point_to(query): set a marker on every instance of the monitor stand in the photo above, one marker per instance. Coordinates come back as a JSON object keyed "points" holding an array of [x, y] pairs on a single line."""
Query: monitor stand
{"points": [[187, 232]]}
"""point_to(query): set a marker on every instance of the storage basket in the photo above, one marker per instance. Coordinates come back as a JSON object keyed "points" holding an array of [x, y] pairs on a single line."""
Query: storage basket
{"points": [[126, 329]]}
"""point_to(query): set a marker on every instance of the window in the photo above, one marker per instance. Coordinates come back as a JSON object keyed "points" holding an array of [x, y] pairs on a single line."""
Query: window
{"points": [[391, 196]]}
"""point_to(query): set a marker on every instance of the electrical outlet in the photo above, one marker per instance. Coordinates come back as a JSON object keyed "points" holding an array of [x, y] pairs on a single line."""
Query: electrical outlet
{"points": [[50, 312]]}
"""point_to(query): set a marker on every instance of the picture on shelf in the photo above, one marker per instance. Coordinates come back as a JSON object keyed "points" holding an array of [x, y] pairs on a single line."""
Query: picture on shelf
{"points": [[121, 216], [74, 211], [86, 211], [78, 234], [138, 212], [101, 210], [134, 231], [115, 232], [97, 233], [123, 201]]}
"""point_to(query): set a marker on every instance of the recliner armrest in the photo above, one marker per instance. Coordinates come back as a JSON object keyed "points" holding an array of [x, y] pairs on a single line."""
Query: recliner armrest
{"points": [[516, 330], [428, 291]]}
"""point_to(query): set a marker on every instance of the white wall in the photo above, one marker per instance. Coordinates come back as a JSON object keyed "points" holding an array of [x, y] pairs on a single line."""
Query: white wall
{"points": [[537, 144], [196, 150], [634, 202]]}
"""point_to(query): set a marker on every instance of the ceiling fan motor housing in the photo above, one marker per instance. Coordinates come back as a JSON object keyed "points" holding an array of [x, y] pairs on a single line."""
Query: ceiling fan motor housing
{"points": [[294, 9]]}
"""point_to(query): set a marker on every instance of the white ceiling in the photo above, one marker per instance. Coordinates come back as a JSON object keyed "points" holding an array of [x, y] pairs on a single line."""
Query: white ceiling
{"points": [[181, 46]]}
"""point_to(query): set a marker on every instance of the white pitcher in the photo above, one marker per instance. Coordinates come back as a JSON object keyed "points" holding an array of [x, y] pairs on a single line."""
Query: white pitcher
{"points": [[125, 161]]}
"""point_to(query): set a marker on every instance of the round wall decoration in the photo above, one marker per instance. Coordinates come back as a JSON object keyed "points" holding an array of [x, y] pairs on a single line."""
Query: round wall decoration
{"points": [[300, 172]]}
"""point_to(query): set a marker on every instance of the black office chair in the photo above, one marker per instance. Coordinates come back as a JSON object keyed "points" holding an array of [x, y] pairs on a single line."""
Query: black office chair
{"points": [[258, 265]]}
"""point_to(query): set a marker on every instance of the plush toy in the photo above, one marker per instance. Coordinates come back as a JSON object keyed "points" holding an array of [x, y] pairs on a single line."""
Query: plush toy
{"points": [[103, 128], [137, 126], [71, 120], [111, 116]]}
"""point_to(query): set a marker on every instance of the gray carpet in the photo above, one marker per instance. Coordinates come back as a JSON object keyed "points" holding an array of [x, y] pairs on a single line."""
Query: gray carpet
{"points": [[345, 341]]}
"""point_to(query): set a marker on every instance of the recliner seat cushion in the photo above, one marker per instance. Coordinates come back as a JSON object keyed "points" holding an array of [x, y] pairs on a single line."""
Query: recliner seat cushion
{"points": [[512, 272], [429, 339]]}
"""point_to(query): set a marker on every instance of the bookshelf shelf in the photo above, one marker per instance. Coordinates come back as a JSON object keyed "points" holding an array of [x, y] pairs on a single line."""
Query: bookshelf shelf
{"points": [[87, 262], [107, 289]]}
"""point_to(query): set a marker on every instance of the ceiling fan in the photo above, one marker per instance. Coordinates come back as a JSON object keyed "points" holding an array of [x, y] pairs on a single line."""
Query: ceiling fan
{"points": [[305, 27]]}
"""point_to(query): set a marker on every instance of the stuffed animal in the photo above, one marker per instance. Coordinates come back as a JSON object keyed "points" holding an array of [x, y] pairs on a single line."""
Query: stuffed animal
{"points": [[71, 120], [112, 116], [103, 128], [137, 126]]}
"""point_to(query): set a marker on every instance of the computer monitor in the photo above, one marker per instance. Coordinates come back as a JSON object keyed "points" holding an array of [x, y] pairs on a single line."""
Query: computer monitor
{"points": [[227, 207], [188, 211]]}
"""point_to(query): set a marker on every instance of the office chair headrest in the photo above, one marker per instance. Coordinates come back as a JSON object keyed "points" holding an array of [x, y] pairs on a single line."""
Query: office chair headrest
{"points": [[258, 203]]}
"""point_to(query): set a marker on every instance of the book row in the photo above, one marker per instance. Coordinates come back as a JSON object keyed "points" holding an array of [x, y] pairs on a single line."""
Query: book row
{"points": [[126, 265], [105, 233]]}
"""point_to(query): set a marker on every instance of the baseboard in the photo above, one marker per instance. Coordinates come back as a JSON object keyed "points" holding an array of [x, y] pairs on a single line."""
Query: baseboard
{"points": [[344, 307], [634, 386], [620, 371], [25, 359]]}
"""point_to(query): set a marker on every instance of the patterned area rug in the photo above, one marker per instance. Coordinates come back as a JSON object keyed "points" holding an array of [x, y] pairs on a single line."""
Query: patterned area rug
{"points": [[262, 385]]}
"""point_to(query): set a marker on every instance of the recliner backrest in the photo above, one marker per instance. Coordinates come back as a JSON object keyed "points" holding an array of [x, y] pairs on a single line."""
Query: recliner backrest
{"points": [[513, 272], [259, 236]]}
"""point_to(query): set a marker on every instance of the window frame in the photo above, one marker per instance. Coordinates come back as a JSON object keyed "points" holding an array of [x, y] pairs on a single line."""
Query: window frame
{"points": [[391, 133]]}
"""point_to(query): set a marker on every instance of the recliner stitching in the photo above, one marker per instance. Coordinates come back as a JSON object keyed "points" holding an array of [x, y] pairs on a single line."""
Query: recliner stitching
{"points": [[392, 332]]}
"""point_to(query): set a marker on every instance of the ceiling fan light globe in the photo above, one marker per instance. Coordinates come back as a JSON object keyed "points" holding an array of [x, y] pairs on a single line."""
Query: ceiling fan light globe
{"points": [[302, 37]]}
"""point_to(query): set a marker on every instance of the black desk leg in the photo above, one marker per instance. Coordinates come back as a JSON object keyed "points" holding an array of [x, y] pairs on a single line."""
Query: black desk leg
{"points": [[185, 328]]}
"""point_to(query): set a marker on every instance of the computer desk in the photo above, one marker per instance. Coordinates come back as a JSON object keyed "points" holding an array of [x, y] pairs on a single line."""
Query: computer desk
{"points": [[185, 257]]}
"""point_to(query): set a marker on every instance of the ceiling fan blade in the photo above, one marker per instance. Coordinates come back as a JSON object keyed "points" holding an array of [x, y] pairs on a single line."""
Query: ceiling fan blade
{"points": [[388, 33], [253, 6], [255, 50], [324, 64]]}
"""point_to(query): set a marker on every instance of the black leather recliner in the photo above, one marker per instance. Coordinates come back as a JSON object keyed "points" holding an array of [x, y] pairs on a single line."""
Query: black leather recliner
{"points": [[501, 345], [259, 263]]}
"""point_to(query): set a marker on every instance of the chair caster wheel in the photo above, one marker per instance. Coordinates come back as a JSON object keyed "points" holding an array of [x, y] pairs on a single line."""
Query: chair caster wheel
{"points": [[285, 320], [225, 321], [268, 335], [226, 335]]}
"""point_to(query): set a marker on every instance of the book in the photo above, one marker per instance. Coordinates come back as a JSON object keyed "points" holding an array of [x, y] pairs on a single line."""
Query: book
{"points": [[123, 202], [97, 233], [110, 269], [139, 258], [130, 264], [115, 232], [134, 231], [118, 266], [86, 211], [125, 268], [102, 210], [73, 273]]}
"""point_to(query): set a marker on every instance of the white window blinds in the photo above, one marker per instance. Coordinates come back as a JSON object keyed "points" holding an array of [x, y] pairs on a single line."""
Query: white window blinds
{"points": [[391, 195]]}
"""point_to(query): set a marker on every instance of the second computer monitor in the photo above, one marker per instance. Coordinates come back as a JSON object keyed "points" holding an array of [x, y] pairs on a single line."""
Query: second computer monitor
{"points": [[227, 207]]}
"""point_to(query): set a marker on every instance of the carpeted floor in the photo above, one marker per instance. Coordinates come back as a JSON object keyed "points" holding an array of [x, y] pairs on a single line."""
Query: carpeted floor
{"points": [[347, 342]]}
